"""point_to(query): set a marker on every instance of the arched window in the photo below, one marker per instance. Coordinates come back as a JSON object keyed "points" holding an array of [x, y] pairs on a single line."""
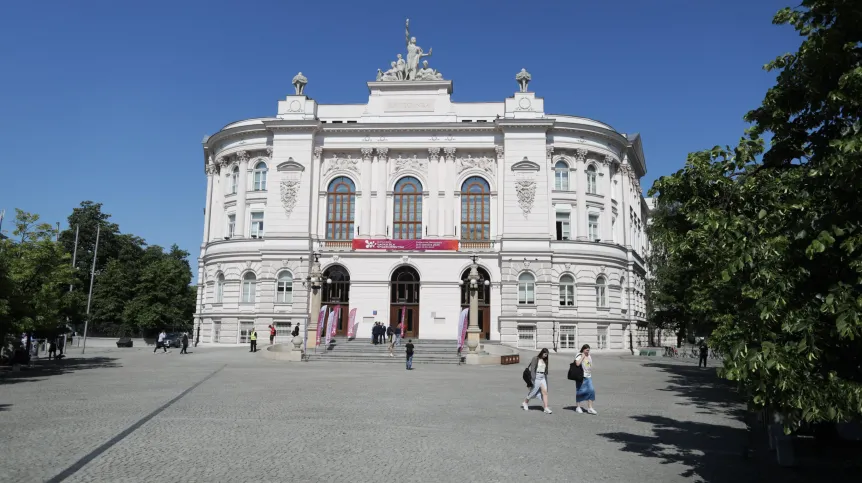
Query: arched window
{"points": [[591, 180], [567, 291], [284, 288], [260, 176], [219, 289], [475, 209], [405, 286], [249, 286], [341, 209], [407, 210], [601, 292], [337, 289], [234, 180], [526, 289], [561, 176]]}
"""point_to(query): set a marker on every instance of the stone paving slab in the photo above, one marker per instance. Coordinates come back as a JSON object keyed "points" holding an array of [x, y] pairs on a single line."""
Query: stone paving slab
{"points": [[261, 420]]}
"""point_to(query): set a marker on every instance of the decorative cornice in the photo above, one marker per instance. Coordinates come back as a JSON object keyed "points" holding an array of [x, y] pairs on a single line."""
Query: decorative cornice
{"points": [[449, 153], [366, 153]]}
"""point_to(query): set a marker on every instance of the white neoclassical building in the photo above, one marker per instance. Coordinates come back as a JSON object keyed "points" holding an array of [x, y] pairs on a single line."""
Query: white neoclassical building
{"points": [[397, 193]]}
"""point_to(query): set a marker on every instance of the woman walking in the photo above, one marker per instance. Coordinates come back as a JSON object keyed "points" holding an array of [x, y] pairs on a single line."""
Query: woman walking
{"points": [[585, 391], [539, 377]]}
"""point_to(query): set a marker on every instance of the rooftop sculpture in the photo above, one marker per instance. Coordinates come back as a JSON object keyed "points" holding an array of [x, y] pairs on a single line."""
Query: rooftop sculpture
{"points": [[409, 70]]}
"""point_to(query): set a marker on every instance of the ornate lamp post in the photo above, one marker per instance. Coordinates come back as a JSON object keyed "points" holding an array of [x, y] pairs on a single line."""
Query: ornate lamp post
{"points": [[313, 281], [474, 284]]}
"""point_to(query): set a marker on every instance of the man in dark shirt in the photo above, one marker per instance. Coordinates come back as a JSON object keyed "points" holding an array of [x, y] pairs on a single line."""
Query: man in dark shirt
{"points": [[704, 351], [409, 354]]}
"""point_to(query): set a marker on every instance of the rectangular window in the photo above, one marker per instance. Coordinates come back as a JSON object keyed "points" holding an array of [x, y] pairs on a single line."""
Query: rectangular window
{"points": [[568, 337], [234, 182], [563, 226], [231, 225], [216, 332], [257, 225], [526, 293], [567, 295], [219, 287], [245, 328], [526, 337], [602, 337], [594, 228], [282, 332]]}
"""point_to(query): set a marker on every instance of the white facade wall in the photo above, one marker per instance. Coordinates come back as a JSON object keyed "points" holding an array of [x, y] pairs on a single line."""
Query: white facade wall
{"points": [[412, 128]]}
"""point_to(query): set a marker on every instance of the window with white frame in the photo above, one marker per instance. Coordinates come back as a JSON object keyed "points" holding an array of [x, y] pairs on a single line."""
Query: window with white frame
{"points": [[601, 292], [526, 337], [257, 224], [592, 187], [219, 288], [602, 337], [568, 337], [282, 332], [249, 287], [234, 180], [567, 291], [284, 288], [231, 225], [561, 176], [260, 176], [245, 328], [593, 227], [216, 331], [526, 289], [564, 230]]}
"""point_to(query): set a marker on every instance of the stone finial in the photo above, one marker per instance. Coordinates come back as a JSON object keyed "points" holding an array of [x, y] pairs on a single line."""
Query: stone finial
{"points": [[299, 82], [523, 79]]}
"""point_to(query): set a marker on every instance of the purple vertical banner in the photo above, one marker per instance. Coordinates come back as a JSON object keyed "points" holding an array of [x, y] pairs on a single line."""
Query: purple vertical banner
{"points": [[334, 328], [403, 320], [329, 323], [351, 324], [320, 318], [462, 328]]}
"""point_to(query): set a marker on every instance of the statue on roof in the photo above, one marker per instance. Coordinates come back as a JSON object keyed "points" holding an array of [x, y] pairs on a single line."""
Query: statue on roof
{"points": [[409, 70], [299, 82]]}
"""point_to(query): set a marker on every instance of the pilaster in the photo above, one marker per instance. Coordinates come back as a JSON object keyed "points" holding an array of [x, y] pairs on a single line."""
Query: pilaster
{"points": [[581, 180], [449, 206], [433, 189], [241, 229], [365, 218], [382, 182]]}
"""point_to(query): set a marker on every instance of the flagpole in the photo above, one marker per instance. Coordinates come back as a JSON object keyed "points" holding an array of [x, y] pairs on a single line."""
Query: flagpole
{"points": [[90, 296]]}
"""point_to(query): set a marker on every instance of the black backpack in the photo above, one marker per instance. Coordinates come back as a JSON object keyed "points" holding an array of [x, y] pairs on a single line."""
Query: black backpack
{"points": [[576, 373]]}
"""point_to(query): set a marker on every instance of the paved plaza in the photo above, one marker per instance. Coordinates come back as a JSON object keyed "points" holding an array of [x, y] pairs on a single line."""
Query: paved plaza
{"points": [[223, 414]]}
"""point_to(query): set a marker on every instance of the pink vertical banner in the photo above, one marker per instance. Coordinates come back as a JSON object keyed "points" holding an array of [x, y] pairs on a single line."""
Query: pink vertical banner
{"points": [[330, 321], [403, 320], [351, 324], [462, 328], [334, 328], [320, 318]]}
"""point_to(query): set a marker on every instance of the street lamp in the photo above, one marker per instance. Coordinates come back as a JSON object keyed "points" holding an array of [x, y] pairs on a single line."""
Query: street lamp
{"points": [[313, 281], [474, 281]]}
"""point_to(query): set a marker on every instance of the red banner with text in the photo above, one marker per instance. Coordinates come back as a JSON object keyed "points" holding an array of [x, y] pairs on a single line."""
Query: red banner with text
{"points": [[418, 245]]}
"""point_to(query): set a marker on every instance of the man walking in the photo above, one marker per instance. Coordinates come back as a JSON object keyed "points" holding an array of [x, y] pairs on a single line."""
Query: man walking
{"points": [[160, 343], [253, 338], [271, 334], [185, 343], [409, 354], [704, 351], [398, 334]]}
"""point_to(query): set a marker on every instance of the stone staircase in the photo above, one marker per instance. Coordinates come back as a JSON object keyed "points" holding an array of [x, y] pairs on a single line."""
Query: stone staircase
{"points": [[362, 350]]}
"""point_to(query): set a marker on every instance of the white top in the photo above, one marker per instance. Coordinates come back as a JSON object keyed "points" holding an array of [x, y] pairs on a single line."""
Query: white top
{"points": [[162, 337], [587, 365], [540, 369]]}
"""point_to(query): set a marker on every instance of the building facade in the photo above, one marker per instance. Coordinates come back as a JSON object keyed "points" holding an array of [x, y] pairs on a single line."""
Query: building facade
{"points": [[396, 194]]}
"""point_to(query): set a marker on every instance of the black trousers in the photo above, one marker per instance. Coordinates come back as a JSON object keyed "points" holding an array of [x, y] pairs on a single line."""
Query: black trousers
{"points": [[253, 346], [702, 361], [162, 345], [185, 346]]}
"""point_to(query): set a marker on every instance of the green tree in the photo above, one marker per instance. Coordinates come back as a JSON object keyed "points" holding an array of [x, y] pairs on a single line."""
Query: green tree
{"points": [[770, 238], [164, 298]]}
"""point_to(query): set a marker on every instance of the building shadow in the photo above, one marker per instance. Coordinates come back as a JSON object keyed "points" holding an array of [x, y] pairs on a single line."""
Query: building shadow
{"points": [[702, 388], [5, 407], [45, 368]]}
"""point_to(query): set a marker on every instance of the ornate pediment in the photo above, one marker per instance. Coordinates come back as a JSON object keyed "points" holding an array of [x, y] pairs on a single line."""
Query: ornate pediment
{"points": [[290, 166], [526, 166]]}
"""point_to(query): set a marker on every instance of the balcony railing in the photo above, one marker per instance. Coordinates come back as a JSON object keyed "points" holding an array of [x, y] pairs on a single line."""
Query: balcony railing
{"points": [[336, 245], [476, 246]]}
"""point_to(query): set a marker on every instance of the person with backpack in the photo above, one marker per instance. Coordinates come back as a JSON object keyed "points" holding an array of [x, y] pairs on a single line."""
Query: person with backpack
{"points": [[389, 332], [538, 373], [585, 391]]}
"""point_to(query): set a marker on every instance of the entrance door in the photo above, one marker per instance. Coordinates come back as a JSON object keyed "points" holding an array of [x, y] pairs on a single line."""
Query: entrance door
{"points": [[484, 293], [411, 319], [404, 301], [337, 293]]}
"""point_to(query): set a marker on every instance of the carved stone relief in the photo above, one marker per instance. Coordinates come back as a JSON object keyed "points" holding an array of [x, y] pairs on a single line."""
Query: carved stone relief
{"points": [[289, 194], [484, 163], [526, 189], [337, 163], [415, 163]]}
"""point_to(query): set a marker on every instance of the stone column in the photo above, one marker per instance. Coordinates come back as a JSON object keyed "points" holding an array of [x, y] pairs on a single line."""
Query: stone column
{"points": [[314, 282], [581, 180], [552, 213], [433, 189], [318, 215], [365, 219], [208, 210], [382, 188], [217, 215], [624, 204], [241, 229], [608, 223], [501, 188], [449, 205]]}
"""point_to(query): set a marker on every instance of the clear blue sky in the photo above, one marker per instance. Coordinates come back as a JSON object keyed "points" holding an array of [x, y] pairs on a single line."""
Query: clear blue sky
{"points": [[108, 101]]}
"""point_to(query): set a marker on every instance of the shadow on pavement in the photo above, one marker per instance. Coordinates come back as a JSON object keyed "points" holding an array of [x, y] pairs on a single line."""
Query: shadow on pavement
{"points": [[712, 453], [5, 407], [702, 388], [46, 368]]}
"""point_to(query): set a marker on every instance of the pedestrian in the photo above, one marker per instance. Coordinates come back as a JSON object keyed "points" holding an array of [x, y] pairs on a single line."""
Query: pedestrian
{"points": [[185, 343], [160, 342], [539, 378], [377, 326], [704, 352], [253, 338], [271, 334], [409, 347], [52, 348], [389, 332], [398, 334], [391, 348], [585, 391], [295, 330]]}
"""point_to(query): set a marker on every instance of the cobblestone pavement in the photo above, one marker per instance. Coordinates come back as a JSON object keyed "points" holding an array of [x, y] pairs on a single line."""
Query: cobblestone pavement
{"points": [[222, 414]]}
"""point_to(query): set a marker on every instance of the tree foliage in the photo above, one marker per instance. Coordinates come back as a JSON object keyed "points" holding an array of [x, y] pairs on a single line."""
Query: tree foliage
{"points": [[764, 243]]}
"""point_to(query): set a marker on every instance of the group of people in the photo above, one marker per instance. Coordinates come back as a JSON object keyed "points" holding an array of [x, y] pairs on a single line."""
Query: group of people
{"points": [[162, 343], [29, 349], [537, 374], [380, 333]]}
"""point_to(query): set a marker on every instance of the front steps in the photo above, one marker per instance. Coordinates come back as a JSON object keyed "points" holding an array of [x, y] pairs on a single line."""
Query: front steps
{"points": [[362, 350]]}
